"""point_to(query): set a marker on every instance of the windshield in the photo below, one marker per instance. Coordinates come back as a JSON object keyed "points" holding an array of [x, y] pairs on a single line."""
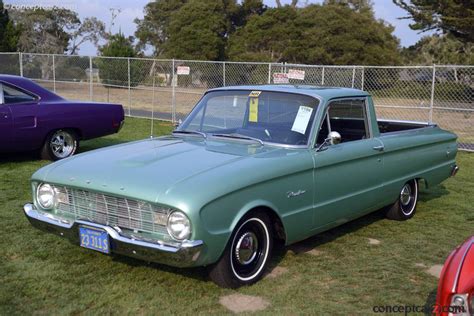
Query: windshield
{"points": [[271, 117]]}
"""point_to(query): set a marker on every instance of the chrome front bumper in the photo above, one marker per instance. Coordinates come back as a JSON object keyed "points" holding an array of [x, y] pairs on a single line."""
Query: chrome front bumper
{"points": [[186, 254]]}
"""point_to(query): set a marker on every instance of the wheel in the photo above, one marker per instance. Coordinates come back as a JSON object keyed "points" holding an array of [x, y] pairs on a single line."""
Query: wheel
{"points": [[59, 144], [405, 206], [247, 253]]}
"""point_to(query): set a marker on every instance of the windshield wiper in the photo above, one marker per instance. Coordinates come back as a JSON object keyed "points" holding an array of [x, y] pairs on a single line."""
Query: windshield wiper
{"points": [[239, 136], [188, 132]]}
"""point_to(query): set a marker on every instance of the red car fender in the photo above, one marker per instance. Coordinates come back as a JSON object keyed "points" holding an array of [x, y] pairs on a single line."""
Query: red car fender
{"points": [[457, 276]]}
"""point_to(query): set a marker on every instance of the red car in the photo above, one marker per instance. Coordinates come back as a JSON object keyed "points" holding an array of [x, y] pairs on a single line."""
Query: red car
{"points": [[456, 284]]}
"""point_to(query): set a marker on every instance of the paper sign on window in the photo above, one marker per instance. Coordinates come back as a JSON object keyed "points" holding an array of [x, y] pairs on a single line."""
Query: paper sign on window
{"points": [[253, 110], [302, 119]]}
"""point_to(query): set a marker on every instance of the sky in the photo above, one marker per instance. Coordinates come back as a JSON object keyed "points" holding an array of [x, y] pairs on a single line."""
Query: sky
{"points": [[131, 9]]}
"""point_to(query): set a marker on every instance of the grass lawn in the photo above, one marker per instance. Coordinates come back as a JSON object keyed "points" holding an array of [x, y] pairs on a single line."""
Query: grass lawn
{"points": [[337, 272]]}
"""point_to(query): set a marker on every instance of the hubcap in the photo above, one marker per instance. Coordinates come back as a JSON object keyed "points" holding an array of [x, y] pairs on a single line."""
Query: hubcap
{"points": [[246, 248], [62, 144], [249, 250], [405, 195]]}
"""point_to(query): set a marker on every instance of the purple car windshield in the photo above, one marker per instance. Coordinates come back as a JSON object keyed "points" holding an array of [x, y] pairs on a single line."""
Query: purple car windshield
{"points": [[264, 116]]}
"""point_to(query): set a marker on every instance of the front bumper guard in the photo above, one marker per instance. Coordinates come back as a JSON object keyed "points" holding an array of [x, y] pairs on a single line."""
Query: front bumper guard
{"points": [[185, 254]]}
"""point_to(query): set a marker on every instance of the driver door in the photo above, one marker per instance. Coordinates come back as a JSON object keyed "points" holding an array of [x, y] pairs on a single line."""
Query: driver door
{"points": [[347, 177], [6, 124], [24, 110]]}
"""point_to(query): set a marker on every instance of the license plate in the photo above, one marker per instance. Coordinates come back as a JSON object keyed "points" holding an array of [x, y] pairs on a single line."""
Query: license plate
{"points": [[95, 239]]}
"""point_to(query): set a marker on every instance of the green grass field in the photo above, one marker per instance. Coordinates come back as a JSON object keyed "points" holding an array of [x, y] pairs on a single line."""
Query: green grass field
{"points": [[337, 272]]}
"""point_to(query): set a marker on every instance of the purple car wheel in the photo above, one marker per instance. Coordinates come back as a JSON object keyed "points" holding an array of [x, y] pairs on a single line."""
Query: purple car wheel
{"points": [[59, 145]]}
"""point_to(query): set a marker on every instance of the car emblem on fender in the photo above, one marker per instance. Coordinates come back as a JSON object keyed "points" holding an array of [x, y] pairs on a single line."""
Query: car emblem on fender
{"points": [[291, 194]]}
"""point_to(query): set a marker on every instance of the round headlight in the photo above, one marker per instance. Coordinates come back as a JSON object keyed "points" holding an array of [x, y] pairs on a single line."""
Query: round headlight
{"points": [[179, 226], [45, 196]]}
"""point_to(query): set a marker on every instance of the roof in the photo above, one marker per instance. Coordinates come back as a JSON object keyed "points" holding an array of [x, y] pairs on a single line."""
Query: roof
{"points": [[30, 86], [314, 91]]}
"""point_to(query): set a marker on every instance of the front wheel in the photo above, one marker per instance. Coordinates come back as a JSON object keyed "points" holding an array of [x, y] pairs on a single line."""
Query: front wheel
{"points": [[405, 206], [59, 144], [247, 254]]}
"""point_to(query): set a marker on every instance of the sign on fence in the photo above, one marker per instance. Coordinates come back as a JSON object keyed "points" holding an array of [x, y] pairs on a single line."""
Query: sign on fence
{"points": [[280, 77], [183, 70], [296, 74]]}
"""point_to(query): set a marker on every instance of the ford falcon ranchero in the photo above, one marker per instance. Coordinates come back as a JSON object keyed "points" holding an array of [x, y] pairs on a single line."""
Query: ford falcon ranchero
{"points": [[250, 165]]}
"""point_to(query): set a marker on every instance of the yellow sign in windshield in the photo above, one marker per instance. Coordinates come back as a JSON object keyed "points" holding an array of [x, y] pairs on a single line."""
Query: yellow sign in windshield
{"points": [[253, 110]]}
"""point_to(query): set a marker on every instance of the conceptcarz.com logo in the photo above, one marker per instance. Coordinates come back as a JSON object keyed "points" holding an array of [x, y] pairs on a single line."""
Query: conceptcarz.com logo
{"points": [[408, 309], [41, 5]]}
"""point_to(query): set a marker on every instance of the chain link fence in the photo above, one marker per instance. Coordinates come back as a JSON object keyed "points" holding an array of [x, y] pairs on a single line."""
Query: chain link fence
{"points": [[168, 89]]}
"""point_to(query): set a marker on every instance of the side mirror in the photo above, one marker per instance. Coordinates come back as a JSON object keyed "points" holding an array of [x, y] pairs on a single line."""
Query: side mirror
{"points": [[334, 138]]}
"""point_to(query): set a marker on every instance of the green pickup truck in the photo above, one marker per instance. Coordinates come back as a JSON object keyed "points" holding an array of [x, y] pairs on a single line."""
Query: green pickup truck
{"points": [[250, 165]]}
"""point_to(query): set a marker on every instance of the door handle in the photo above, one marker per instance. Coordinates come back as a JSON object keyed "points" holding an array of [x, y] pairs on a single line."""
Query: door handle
{"points": [[379, 148]]}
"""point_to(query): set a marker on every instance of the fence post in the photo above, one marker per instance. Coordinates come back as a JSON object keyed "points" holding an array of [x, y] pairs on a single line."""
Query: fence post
{"points": [[322, 77], [153, 100], [90, 78], [269, 73], [432, 94], [129, 89], [362, 78], [223, 74], [54, 74], [174, 82], [353, 76], [20, 56]]}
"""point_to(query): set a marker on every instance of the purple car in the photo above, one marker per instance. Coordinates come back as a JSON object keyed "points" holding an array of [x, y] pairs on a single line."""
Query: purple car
{"points": [[33, 118]]}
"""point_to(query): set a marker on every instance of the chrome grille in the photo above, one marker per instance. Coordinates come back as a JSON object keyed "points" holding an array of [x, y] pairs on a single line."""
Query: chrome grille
{"points": [[109, 210]]}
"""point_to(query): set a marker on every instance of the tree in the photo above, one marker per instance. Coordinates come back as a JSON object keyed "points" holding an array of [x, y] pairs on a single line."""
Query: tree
{"points": [[193, 29], [357, 5], [199, 30], [153, 29], [316, 34], [247, 9], [439, 49], [267, 37], [90, 30], [293, 3], [9, 34], [455, 17], [113, 71], [54, 31]]}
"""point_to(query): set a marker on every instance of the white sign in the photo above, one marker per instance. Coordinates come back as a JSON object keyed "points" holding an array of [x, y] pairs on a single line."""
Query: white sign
{"points": [[302, 119], [183, 70], [296, 74], [279, 77]]}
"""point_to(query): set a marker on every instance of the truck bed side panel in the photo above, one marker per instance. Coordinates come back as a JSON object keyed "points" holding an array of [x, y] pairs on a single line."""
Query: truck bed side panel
{"points": [[425, 153]]}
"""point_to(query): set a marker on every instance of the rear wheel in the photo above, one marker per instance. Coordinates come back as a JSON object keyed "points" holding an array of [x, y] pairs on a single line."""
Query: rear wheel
{"points": [[247, 254], [405, 206], [59, 144]]}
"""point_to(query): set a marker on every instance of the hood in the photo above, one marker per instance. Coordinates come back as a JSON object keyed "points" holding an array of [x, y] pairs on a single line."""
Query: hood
{"points": [[148, 169]]}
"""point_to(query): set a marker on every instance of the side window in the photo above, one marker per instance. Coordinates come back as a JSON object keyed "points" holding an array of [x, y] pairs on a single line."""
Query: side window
{"points": [[349, 118], [13, 95]]}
